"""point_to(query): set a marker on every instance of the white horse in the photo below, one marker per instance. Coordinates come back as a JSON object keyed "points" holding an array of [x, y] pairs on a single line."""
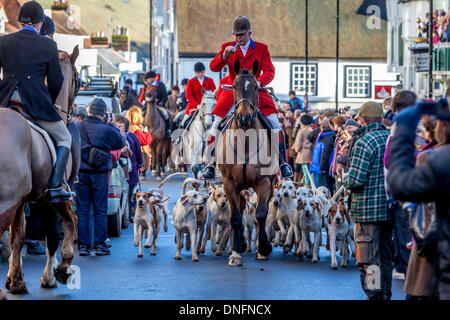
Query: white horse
{"points": [[194, 141]]}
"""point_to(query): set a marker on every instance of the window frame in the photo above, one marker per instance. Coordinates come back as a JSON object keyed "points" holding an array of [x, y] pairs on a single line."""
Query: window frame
{"points": [[369, 96], [291, 76]]}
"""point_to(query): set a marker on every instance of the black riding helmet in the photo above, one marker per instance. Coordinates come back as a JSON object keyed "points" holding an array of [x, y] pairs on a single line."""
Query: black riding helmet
{"points": [[199, 67], [48, 27], [31, 12]]}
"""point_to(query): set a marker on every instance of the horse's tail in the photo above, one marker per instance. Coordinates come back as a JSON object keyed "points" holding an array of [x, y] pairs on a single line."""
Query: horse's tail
{"points": [[170, 176], [186, 181]]}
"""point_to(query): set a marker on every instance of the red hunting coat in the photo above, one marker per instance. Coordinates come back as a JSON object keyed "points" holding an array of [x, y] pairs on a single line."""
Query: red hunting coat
{"points": [[194, 92], [265, 75]]}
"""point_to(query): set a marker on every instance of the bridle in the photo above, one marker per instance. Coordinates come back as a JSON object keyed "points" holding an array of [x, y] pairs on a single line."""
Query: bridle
{"points": [[204, 114], [254, 107]]}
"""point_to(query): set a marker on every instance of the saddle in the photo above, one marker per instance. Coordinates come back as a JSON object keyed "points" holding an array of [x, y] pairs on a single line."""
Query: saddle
{"points": [[19, 107]]}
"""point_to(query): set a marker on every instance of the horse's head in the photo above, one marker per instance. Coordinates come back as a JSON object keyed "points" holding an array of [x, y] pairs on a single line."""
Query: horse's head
{"points": [[71, 83], [151, 93], [207, 105], [245, 92]]}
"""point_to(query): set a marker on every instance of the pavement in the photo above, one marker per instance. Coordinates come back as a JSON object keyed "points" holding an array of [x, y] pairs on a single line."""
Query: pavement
{"points": [[123, 276]]}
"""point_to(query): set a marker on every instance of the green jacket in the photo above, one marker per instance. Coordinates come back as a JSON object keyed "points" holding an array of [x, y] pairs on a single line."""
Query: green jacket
{"points": [[365, 177]]}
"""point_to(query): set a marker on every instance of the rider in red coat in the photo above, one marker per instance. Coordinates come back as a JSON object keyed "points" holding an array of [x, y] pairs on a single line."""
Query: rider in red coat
{"points": [[246, 51], [194, 91]]}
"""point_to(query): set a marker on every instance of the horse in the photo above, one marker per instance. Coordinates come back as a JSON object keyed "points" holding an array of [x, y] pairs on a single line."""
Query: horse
{"points": [[26, 164], [194, 141], [240, 162], [160, 146]]}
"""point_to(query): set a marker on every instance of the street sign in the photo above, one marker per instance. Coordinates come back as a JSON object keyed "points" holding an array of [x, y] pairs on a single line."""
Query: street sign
{"points": [[383, 92], [421, 56]]}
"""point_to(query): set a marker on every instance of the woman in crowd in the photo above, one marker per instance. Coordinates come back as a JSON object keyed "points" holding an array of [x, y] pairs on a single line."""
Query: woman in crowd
{"points": [[136, 120], [303, 147], [339, 128]]}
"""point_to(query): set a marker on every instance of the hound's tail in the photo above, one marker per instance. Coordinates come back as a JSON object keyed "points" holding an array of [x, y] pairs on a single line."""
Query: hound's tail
{"points": [[186, 181], [170, 176]]}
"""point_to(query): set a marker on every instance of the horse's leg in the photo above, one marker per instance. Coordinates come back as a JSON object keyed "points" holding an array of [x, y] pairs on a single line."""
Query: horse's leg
{"points": [[239, 243], [14, 279], [263, 192], [69, 219], [49, 222]]}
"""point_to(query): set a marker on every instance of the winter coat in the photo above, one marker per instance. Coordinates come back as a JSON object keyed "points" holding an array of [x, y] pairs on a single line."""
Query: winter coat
{"points": [[323, 152]]}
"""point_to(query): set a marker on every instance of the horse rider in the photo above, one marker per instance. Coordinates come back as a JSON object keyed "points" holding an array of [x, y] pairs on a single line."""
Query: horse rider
{"points": [[246, 51], [27, 59], [194, 91], [181, 103], [151, 79]]}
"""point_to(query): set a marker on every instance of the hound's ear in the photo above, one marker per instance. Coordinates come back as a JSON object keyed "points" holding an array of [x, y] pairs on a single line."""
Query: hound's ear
{"points": [[237, 66], [184, 199], [311, 193], [133, 197], [279, 184], [301, 205], [298, 184], [255, 67], [213, 186]]}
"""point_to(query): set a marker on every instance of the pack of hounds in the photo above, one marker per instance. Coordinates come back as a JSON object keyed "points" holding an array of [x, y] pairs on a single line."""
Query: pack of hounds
{"points": [[202, 215]]}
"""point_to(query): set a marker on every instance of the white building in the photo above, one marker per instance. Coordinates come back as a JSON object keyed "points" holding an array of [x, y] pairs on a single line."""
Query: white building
{"points": [[363, 69], [401, 33]]}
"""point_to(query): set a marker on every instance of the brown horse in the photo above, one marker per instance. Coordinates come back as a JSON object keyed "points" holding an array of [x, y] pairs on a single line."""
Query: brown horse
{"points": [[160, 147], [26, 164], [240, 161]]}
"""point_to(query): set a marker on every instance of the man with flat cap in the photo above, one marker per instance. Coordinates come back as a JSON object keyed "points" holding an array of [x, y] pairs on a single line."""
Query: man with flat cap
{"points": [[247, 52], [27, 59]]}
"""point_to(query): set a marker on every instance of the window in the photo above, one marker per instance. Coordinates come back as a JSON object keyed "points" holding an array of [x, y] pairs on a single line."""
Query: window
{"points": [[298, 78], [358, 82]]}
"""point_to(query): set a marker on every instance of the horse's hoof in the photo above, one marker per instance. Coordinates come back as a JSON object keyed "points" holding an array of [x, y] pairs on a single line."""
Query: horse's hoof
{"points": [[61, 275], [18, 288], [146, 246], [202, 251], [264, 248], [315, 260], [8, 283], [48, 285], [260, 257], [177, 258], [195, 259], [153, 253], [234, 262], [334, 267]]}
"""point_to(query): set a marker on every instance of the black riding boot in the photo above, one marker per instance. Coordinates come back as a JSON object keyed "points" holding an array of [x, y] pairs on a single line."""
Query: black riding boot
{"points": [[169, 126], [285, 168], [210, 172], [55, 190]]}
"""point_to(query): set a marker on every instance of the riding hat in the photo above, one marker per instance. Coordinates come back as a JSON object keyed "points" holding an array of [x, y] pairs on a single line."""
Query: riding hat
{"points": [[48, 27], [241, 24], [31, 12], [97, 107], [199, 67], [150, 74]]}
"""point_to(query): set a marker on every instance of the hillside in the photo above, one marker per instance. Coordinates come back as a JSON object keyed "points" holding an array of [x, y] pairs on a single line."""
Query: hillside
{"points": [[95, 15]]}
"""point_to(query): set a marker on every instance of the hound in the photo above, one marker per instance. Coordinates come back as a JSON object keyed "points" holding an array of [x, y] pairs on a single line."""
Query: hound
{"points": [[185, 219], [310, 221], [272, 229], [165, 205], [338, 227], [147, 219], [288, 210], [220, 215], [249, 219]]}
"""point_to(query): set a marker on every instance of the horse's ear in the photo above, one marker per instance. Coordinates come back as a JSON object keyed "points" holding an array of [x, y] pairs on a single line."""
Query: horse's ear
{"points": [[74, 55], [255, 67], [237, 66]]}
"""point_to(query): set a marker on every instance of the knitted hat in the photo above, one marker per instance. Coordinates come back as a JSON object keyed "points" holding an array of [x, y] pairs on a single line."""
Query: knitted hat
{"points": [[351, 123], [97, 107]]}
